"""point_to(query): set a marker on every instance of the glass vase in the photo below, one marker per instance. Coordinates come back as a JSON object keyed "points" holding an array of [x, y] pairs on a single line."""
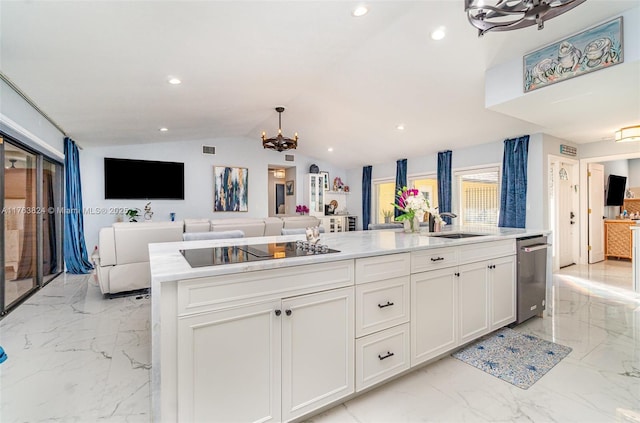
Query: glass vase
{"points": [[412, 225]]}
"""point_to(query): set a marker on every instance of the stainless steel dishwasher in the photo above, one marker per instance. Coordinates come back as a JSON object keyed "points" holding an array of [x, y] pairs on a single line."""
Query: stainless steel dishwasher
{"points": [[531, 276]]}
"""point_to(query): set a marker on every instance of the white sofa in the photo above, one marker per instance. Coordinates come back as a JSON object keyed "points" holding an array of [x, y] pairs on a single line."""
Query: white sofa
{"points": [[270, 226], [122, 258]]}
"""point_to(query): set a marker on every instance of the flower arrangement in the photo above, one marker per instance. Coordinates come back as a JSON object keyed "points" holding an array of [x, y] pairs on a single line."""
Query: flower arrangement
{"points": [[302, 209], [411, 202]]}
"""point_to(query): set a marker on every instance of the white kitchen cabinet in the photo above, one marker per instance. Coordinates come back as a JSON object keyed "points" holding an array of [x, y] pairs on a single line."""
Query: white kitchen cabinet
{"points": [[473, 300], [229, 365], [381, 355], [502, 282], [271, 361], [317, 351], [434, 314], [314, 194]]}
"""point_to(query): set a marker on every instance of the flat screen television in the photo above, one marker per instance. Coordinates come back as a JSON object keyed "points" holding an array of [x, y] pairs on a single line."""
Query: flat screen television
{"points": [[615, 190], [143, 179]]}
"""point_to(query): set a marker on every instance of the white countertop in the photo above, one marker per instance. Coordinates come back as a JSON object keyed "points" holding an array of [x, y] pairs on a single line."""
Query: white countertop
{"points": [[168, 264]]}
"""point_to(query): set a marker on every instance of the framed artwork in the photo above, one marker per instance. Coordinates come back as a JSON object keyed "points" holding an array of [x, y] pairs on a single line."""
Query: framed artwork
{"points": [[325, 180], [230, 189], [289, 187], [591, 50]]}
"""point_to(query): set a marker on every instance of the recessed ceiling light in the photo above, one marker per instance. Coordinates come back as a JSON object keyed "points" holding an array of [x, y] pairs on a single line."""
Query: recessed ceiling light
{"points": [[330, 149], [438, 34], [360, 11], [400, 127], [174, 81], [164, 129]]}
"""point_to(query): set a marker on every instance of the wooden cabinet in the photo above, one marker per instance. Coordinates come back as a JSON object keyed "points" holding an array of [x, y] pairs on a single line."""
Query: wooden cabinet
{"points": [[617, 238], [314, 194]]}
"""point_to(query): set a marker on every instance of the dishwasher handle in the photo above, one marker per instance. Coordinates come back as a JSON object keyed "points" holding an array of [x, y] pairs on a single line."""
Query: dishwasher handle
{"points": [[536, 247]]}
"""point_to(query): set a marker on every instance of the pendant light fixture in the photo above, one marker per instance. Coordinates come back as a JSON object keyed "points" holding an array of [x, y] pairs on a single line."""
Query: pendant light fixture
{"points": [[507, 15], [279, 142]]}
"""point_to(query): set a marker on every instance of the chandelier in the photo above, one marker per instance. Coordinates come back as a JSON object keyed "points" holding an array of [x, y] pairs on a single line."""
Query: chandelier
{"points": [[507, 15], [279, 143]]}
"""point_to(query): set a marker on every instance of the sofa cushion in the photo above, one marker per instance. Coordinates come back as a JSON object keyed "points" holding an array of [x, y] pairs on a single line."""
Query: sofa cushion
{"points": [[197, 225], [250, 227], [107, 247], [294, 222], [197, 236], [272, 226], [132, 239]]}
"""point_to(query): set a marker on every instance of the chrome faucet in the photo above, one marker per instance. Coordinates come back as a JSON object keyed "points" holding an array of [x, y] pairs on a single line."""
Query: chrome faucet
{"points": [[448, 214]]}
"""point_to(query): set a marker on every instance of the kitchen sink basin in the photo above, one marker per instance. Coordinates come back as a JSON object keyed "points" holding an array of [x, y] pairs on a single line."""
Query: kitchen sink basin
{"points": [[457, 236]]}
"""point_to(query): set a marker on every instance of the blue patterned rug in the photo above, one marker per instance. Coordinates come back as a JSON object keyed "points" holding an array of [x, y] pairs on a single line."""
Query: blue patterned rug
{"points": [[513, 357]]}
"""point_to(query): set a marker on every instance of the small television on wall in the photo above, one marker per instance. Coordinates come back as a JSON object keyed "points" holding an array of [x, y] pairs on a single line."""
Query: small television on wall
{"points": [[615, 190], [143, 179]]}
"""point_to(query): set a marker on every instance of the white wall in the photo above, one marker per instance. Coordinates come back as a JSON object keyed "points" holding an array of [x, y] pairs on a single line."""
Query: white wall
{"points": [[198, 202], [634, 173], [22, 122]]}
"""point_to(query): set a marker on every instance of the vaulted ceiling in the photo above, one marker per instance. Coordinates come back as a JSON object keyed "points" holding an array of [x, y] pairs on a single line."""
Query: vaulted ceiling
{"points": [[100, 70]]}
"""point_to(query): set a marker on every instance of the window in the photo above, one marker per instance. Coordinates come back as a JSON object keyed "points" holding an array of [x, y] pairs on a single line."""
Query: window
{"points": [[385, 195], [427, 185], [478, 201]]}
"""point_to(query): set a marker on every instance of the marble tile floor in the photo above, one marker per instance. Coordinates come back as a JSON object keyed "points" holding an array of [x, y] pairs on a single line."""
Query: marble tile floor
{"points": [[77, 357]]}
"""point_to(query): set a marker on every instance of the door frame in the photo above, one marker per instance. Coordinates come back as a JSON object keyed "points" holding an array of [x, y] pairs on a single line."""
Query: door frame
{"points": [[554, 208], [584, 224]]}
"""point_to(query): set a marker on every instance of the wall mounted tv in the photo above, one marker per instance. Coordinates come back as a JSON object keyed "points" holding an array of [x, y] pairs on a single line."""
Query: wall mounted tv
{"points": [[615, 190], [143, 179]]}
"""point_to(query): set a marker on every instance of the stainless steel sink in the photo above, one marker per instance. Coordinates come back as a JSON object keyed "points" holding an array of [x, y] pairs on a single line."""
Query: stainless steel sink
{"points": [[457, 236]]}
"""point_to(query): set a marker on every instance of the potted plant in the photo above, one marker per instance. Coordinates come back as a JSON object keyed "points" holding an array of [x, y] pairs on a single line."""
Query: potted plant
{"points": [[133, 214], [388, 214]]}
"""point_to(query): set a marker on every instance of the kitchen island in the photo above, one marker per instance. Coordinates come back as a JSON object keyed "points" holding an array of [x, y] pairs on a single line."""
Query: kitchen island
{"points": [[281, 339]]}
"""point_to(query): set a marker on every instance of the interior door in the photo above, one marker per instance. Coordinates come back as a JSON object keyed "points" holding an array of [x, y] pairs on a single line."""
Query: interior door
{"points": [[566, 215], [595, 178]]}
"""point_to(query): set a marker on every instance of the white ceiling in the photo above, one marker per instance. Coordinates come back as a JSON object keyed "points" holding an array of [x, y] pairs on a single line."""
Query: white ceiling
{"points": [[100, 70]]}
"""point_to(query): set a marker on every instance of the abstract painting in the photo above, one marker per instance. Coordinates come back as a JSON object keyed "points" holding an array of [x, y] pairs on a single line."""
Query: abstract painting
{"points": [[230, 190], [591, 50]]}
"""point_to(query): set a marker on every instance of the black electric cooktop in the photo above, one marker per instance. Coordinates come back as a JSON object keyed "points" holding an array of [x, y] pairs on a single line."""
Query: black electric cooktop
{"points": [[213, 256]]}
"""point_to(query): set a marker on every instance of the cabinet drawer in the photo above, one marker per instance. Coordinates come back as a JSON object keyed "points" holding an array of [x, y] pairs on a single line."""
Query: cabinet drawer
{"points": [[439, 258], [487, 250], [381, 355], [378, 268], [380, 305], [216, 292]]}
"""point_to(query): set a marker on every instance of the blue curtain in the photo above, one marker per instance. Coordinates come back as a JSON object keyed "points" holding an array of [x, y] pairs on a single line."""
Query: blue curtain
{"points": [[75, 249], [366, 197], [444, 183], [401, 180], [513, 195]]}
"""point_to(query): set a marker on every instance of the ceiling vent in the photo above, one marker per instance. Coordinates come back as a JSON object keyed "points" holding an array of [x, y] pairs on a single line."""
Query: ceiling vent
{"points": [[207, 149], [288, 157]]}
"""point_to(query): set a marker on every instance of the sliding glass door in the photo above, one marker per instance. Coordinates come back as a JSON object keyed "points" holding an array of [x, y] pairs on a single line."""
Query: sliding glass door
{"points": [[31, 222]]}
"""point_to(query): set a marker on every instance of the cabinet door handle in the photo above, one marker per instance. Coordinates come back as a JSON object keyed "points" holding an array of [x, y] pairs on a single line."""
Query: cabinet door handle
{"points": [[491, 266], [457, 274], [389, 354], [278, 312], [437, 258], [388, 304], [287, 312]]}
